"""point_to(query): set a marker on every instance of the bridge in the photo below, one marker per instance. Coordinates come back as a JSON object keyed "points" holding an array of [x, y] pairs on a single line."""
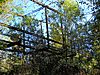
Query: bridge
{"points": [[28, 41]]}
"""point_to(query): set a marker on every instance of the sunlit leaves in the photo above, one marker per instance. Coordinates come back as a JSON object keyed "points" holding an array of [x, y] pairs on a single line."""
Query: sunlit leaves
{"points": [[8, 10], [3, 5], [56, 33], [8, 63], [71, 8], [4, 66], [27, 20]]}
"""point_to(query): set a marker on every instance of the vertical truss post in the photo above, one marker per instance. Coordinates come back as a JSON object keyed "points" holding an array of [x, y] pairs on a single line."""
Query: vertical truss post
{"points": [[63, 39], [41, 32], [46, 18], [24, 38], [23, 34], [41, 27]]}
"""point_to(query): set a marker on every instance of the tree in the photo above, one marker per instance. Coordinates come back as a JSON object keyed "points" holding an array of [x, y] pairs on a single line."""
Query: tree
{"points": [[4, 5], [95, 33]]}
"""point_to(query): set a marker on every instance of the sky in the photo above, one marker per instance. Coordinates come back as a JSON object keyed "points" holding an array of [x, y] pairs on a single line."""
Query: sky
{"points": [[30, 7]]}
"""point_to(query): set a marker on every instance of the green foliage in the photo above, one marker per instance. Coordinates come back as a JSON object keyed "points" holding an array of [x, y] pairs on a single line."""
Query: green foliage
{"points": [[71, 8], [56, 33], [3, 5], [28, 20]]}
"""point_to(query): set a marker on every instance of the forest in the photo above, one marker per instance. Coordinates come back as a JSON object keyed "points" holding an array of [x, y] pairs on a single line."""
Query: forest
{"points": [[49, 37]]}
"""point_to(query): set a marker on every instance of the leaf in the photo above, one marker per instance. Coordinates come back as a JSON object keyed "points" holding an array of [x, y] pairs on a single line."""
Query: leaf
{"points": [[71, 8]]}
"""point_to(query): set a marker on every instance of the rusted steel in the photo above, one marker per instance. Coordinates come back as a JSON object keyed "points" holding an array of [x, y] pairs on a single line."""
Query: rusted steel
{"points": [[18, 29], [46, 18], [47, 7], [19, 44]]}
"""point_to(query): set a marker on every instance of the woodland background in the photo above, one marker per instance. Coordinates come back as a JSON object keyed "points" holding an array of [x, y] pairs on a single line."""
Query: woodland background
{"points": [[49, 37]]}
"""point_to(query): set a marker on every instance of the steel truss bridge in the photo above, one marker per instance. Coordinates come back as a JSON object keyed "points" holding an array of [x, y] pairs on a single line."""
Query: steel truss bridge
{"points": [[45, 41]]}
